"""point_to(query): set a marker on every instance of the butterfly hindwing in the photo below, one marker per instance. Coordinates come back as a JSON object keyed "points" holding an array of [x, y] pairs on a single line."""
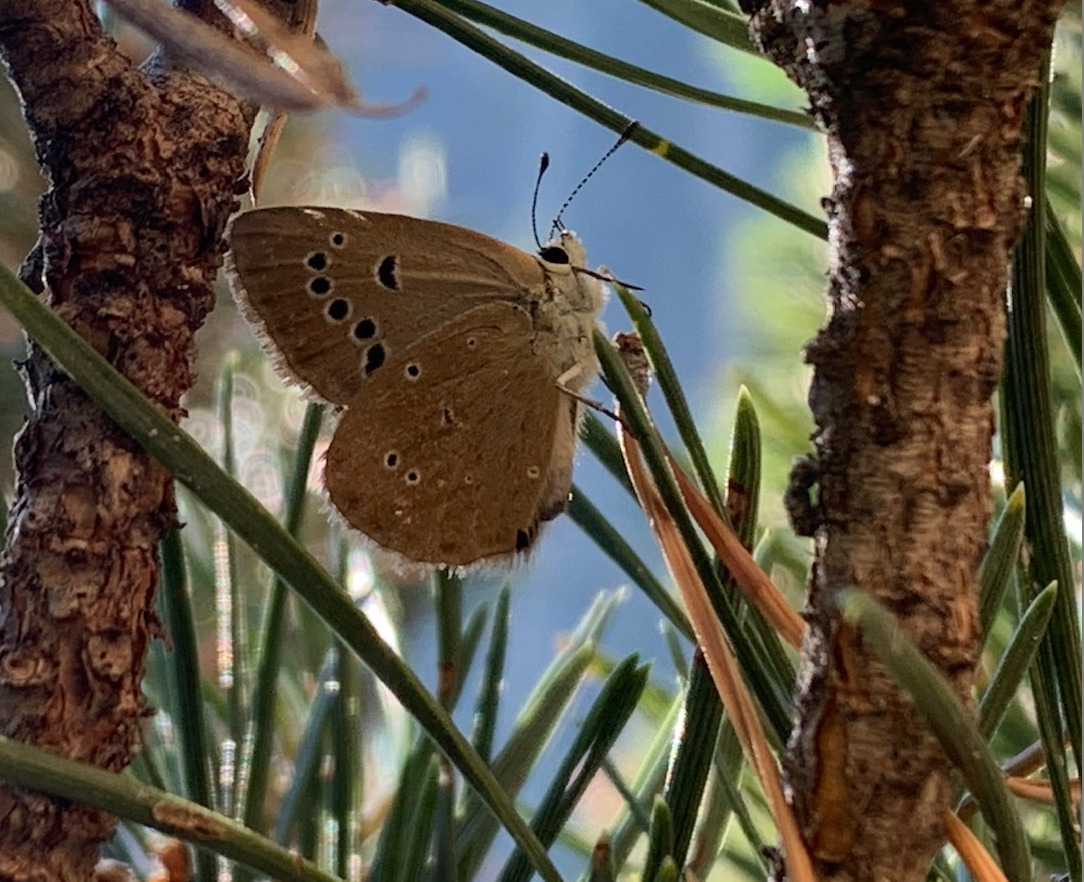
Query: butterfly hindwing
{"points": [[447, 456]]}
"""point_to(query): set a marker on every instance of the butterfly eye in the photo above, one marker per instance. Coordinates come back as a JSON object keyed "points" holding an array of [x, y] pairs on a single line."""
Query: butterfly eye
{"points": [[554, 254]]}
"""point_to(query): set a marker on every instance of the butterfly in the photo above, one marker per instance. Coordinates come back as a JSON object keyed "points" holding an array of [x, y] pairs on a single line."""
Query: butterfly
{"points": [[456, 361]]}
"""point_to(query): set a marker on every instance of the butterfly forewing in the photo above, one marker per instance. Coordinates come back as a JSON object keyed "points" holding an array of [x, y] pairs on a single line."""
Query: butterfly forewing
{"points": [[446, 456], [340, 293]]}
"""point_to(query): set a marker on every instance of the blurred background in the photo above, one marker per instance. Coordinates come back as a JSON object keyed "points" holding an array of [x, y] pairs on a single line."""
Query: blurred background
{"points": [[734, 292]]}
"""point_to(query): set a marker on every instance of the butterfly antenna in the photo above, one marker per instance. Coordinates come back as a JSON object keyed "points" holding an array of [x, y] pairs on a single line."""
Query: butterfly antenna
{"points": [[543, 164], [625, 135]]}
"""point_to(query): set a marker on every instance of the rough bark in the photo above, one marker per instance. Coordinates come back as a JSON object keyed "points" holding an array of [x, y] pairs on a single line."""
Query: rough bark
{"points": [[922, 105], [143, 169]]}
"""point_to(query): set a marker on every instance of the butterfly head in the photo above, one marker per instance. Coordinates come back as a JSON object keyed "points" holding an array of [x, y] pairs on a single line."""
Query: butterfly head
{"points": [[563, 253]]}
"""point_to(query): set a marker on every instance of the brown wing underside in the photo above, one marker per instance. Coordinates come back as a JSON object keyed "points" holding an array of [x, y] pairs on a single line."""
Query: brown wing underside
{"points": [[401, 277], [449, 454]]}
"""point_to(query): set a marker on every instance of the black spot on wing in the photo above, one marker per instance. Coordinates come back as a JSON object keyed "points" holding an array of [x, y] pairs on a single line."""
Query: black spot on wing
{"points": [[338, 310], [365, 329], [387, 272], [319, 286], [374, 358]]}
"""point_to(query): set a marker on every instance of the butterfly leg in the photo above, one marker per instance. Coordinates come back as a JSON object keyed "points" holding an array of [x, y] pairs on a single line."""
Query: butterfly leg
{"points": [[592, 403]]}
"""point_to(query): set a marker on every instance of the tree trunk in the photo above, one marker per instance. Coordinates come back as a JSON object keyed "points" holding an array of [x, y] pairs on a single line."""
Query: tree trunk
{"points": [[143, 169], [922, 104]]}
